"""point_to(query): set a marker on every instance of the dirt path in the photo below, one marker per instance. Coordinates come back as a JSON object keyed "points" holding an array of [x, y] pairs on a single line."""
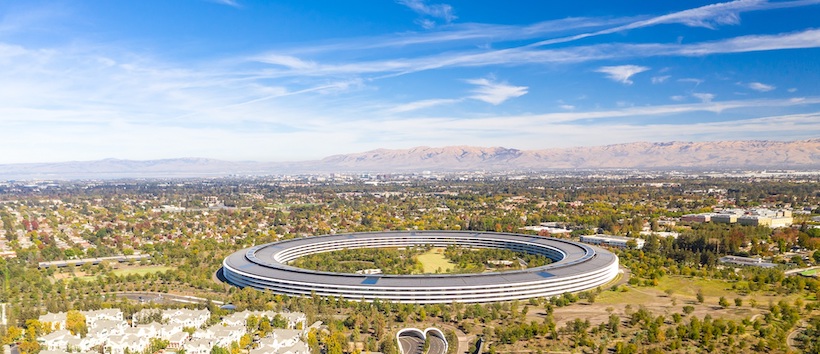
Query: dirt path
{"points": [[790, 339]]}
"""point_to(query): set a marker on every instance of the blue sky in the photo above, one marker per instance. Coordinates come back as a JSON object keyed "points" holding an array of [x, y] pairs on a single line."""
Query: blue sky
{"points": [[295, 80]]}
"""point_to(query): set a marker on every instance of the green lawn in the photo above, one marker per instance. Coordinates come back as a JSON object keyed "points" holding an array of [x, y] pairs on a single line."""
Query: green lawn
{"points": [[809, 273], [126, 271], [689, 286], [434, 259]]}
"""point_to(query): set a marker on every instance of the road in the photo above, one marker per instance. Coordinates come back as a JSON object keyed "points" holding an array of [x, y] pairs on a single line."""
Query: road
{"points": [[790, 338], [463, 340], [411, 345], [161, 298], [799, 270], [437, 345]]}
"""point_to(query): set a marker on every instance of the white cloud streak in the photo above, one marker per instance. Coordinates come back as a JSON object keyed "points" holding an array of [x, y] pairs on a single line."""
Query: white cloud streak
{"points": [[440, 11], [495, 93], [709, 16], [231, 3], [422, 104], [524, 56], [760, 87], [622, 73], [704, 97]]}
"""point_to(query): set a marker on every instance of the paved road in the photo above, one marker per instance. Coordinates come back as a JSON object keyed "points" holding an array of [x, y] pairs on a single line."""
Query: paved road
{"points": [[463, 340], [799, 270], [411, 345], [437, 345], [790, 338], [162, 298]]}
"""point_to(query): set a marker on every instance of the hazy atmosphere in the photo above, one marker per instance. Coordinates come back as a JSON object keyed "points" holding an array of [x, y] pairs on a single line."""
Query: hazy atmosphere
{"points": [[295, 80]]}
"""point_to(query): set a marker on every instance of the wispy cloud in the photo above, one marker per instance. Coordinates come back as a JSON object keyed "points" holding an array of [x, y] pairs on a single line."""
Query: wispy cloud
{"points": [[622, 73], [286, 61], [709, 16], [526, 55], [438, 11], [422, 104], [691, 80], [704, 97], [495, 93], [660, 79], [760, 87], [232, 3]]}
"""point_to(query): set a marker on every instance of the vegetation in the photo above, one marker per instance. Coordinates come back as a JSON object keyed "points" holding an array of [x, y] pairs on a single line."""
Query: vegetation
{"points": [[713, 307]]}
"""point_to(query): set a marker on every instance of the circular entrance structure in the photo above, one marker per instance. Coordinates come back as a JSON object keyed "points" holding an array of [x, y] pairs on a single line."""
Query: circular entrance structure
{"points": [[575, 267]]}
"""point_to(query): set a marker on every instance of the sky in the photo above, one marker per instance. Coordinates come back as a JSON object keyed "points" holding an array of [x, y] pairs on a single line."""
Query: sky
{"points": [[297, 80]]}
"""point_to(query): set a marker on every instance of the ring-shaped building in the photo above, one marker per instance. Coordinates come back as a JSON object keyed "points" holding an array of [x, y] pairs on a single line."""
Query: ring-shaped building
{"points": [[575, 267]]}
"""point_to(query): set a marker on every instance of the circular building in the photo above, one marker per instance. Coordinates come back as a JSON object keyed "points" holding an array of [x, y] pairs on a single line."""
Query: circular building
{"points": [[575, 267]]}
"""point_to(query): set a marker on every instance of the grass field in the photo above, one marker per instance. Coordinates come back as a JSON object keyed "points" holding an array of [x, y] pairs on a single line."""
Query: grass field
{"points": [[130, 270], [434, 259], [658, 300], [809, 273]]}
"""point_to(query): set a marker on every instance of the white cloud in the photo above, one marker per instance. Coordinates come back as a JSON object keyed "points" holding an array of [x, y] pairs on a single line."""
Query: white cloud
{"points": [[677, 98], [660, 79], [760, 87], [439, 11], [709, 16], [413, 106], [804, 39], [697, 82], [232, 3], [704, 97], [286, 61], [792, 90], [567, 107], [495, 93], [391, 67], [622, 73]]}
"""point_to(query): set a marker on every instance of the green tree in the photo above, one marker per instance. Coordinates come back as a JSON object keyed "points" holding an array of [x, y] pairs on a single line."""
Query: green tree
{"points": [[723, 302], [219, 350], [75, 323]]}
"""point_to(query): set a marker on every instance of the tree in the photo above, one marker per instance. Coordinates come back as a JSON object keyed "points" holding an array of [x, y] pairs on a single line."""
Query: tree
{"points": [[13, 334], [700, 296], [75, 323], [723, 302], [313, 341], [219, 350], [738, 302]]}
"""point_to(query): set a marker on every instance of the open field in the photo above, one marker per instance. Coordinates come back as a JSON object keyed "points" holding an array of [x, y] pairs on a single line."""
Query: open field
{"points": [[660, 300], [125, 271], [434, 260]]}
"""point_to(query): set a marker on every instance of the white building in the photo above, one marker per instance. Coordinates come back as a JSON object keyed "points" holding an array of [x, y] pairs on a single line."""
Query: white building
{"points": [[57, 320], [134, 343], [612, 241], [282, 341], [106, 314], [661, 234], [187, 318]]}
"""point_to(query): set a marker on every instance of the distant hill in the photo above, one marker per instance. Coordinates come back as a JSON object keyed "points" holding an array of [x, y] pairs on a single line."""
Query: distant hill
{"points": [[803, 154], [720, 154]]}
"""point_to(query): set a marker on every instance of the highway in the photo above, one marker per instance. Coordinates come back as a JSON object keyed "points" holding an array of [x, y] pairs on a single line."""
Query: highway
{"points": [[411, 345], [437, 345]]}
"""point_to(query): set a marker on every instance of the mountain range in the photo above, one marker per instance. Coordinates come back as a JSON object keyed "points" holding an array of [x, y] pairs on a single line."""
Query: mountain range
{"points": [[757, 154]]}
